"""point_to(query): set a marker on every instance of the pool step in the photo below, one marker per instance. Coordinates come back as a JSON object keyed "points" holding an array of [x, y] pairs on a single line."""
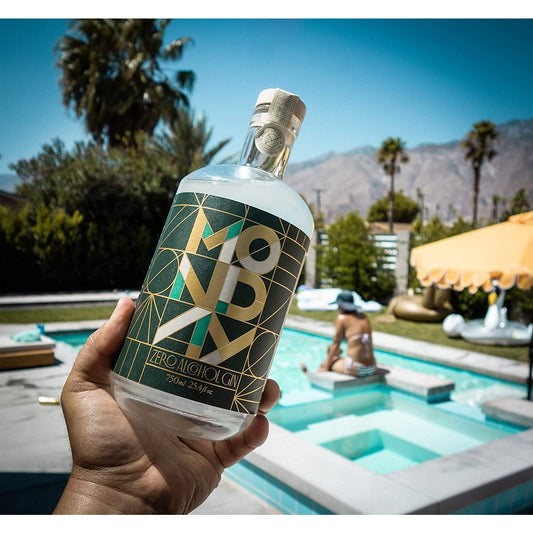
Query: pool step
{"points": [[334, 381], [515, 410], [421, 437], [431, 388]]}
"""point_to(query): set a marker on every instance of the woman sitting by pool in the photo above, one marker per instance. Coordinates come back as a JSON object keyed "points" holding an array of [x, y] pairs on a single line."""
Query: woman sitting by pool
{"points": [[353, 326]]}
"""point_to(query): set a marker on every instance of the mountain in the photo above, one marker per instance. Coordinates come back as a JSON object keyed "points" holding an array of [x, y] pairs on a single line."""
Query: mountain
{"points": [[352, 181]]}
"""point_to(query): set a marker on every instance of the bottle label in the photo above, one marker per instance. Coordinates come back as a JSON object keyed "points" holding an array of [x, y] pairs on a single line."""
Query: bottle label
{"points": [[270, 140], [214, 301]]}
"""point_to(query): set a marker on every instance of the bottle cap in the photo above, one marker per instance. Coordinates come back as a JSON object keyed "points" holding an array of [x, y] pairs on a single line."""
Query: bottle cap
{"points": [[274, 126], [282, 104]]}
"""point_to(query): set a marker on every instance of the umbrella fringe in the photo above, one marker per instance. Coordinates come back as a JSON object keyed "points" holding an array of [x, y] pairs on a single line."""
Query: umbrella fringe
{"points": [[473, 281]]}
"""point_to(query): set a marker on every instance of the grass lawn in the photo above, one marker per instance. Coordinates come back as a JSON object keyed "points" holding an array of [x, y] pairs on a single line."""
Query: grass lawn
{"points": [[55, 314], [415, 330]]}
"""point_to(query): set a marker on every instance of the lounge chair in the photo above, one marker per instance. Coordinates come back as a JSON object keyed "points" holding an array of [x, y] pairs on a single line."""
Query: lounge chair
{"points": [[14, 354]]}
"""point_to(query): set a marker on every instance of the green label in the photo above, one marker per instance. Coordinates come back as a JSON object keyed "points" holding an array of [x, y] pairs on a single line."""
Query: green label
{"points": [[213, 303]]}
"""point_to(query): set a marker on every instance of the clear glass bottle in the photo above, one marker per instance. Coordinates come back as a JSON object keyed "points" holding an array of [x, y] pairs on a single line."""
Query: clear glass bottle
{"points": [[217, 292]]}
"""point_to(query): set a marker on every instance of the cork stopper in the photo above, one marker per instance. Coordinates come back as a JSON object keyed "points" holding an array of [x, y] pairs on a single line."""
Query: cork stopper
{"points": [[275, 124], [283, 105]]}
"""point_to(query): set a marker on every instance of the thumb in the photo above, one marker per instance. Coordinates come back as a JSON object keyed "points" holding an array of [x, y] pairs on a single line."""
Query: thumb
{"points": [[96, 358]]}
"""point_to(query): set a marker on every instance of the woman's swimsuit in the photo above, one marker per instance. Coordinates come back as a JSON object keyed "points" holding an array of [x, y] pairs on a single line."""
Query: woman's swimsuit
{"points": [[364, 337], [362, 370], [330, 367], [350, 365]]}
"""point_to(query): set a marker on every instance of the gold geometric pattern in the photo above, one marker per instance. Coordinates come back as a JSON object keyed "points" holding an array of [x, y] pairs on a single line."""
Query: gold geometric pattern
{"points": [[213, 303]]}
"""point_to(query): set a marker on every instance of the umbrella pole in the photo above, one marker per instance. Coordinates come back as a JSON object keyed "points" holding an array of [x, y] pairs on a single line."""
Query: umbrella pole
{"points": [[530, 368]]}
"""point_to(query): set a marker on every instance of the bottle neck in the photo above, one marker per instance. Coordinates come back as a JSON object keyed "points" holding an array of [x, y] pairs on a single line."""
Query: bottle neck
{"points": [[268, 145]]}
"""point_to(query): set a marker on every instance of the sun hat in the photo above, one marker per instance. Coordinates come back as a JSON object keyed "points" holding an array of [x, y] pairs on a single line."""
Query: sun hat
{"points": [[345, 301]]}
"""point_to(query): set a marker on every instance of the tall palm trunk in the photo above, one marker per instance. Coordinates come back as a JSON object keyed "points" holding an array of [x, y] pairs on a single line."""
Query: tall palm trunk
{"points": [[391, 154], [478, 146], [391, 202], [475, 192]]}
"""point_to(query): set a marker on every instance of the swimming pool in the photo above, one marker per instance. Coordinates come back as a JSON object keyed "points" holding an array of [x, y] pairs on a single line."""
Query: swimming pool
{"points": [[394, 432], [76, 339], [296, 347], [375, 426], [385, 430]]}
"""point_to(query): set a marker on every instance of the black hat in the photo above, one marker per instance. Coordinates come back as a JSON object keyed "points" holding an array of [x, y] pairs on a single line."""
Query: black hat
{"points": [[345, 301]]}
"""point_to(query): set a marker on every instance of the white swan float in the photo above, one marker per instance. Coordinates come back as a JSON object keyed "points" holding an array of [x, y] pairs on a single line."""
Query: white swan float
{"points": [[494, 329]]}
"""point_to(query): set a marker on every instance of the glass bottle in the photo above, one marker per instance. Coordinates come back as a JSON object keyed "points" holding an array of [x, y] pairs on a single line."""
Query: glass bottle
{"points": [[212, 306]]}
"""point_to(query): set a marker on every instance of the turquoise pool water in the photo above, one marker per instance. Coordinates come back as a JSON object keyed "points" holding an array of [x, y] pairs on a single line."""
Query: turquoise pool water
{"points": [[378, 428], [76, 339], [384, 430], [296, 347]]}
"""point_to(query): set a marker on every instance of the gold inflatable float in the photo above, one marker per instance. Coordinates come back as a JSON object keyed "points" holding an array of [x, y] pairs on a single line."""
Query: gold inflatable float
{"points": [[433, 305]]}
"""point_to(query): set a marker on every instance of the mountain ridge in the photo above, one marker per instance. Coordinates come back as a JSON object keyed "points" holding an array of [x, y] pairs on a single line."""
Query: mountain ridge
{"points": [[352, 180]]}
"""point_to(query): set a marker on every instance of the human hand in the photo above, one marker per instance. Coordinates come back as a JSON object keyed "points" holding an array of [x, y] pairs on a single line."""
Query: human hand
{"points": [[119, 467]]}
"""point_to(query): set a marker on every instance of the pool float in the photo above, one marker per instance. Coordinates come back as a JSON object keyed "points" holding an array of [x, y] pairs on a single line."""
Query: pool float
{"points": [[505, 334], [452, 325], [494, 329], [308, 299], [433, 305]]}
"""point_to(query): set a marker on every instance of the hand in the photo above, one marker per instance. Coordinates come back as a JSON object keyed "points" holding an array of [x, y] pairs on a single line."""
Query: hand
{"points": [[122, 468]]}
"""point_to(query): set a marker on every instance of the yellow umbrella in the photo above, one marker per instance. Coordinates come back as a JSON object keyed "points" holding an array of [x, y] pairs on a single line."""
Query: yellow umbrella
{"points": [[472, 260]]}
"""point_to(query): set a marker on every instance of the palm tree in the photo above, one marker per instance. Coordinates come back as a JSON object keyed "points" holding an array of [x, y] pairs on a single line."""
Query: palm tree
{"points": [[478, 146], [391, 153], [519, 203], [186, 142], [496, 202], [111, 75]]}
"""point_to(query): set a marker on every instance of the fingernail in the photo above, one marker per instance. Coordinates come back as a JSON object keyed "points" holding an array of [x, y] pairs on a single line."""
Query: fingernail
{"points": [[117, 308]]}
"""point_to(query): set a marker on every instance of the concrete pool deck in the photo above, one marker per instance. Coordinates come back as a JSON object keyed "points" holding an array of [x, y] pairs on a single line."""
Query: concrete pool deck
{"points": [[35, 457], [18, 301], [34, 442]]}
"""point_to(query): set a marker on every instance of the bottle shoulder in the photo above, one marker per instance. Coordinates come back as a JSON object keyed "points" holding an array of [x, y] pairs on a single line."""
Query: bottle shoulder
{"points": [[253, 187], [230, 173]]}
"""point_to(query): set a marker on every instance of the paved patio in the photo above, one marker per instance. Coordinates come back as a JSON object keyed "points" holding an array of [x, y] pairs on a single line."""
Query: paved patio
{"points": [[35, 458]]}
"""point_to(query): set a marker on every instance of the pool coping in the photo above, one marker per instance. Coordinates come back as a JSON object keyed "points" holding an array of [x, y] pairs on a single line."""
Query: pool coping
{"points": [[440, 486]]}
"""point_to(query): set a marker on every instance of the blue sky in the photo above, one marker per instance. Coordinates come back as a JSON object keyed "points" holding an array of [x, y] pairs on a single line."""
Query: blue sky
{"points": [[426, 81]]}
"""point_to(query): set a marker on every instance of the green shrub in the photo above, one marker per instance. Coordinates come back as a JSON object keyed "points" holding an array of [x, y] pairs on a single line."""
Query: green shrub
{"points": [[405, 209], [92, 217], [37, 245], [351, 261]]}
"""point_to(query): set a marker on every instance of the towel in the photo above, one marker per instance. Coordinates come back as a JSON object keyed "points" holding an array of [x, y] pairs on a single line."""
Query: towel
{"points": [[30, 335]]}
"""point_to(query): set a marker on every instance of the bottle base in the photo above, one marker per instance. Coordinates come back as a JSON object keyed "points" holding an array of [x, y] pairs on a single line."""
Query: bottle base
{"points": [[172, 414]]}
